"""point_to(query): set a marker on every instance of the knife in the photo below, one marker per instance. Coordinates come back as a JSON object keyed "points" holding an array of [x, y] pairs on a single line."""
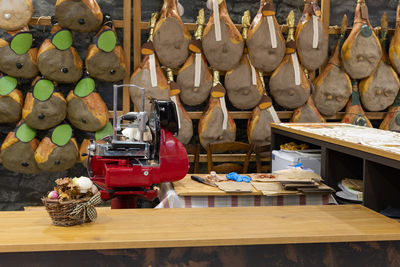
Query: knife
{"points": [[202, 180]]}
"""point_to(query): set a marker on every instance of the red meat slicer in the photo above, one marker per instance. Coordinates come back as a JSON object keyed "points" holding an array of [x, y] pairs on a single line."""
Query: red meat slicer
{"points": [[126, 169]]}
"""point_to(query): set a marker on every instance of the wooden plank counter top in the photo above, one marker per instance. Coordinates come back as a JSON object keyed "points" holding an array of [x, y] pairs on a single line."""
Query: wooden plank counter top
{"points": [[155, 228]]}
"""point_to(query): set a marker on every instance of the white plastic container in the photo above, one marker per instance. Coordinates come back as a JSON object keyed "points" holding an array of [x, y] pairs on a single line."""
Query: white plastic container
{"points": [[285, 159]]}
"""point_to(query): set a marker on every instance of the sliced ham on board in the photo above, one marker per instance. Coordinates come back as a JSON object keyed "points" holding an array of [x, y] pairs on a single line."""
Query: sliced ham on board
{"points": [[333, 86], [394, 49], [222, 42], [354, 112], [216, 125], [18, 57], [311, 37], [11, 100], [288, 84], [17, 150], [243, 84], [79, 15], [149, 76], [265, 42], [171, 39], [392, 118], [258, 126], [307, 113], [380, 89], [185, 124], [15, 14], [361, 51], [194, 78]]}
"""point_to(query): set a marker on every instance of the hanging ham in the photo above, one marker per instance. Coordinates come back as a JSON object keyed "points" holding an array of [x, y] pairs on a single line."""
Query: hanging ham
{"points": [[15, 14], [11, 100], [380, 89], [288, 84], [307, 113], [311, 37], [149, 76], [394, 49], [333, 85], [354, 112], [194, 78], [392, 118], [171, 39], [361, 51], [222, 42], [216, 125], [243, 84], [185, 124], [265, 42]]}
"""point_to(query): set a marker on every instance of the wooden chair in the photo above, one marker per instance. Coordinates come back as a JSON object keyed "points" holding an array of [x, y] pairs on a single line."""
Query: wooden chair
{"points": [[263, 154], [195, 151], [230, 147]]}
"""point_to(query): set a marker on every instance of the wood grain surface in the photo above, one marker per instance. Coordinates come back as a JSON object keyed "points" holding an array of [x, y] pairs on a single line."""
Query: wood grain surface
{"points": [[24, 231]]}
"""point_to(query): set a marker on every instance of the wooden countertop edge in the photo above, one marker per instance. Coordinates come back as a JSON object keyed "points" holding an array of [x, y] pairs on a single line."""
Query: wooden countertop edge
{"points": [[331, 140]]}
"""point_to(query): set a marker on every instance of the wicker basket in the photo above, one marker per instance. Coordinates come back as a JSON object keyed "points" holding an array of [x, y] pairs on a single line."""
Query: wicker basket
{"points": [[60, 211]]}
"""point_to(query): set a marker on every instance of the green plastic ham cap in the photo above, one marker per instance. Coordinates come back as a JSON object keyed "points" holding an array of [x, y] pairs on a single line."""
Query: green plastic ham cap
{"points": [[366, 30], [84, 87], [61, 135], [21, 43], [7, 85], [106, 131], [62, 40], [25, 133], [43, 89], [107, 41]]}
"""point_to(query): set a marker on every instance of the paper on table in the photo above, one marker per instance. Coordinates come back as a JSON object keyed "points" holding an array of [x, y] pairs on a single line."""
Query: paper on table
{"points": [[235, 187]]}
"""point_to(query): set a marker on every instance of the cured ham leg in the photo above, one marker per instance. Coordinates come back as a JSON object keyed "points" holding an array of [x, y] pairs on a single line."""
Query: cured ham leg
{"points": [[243, 84], [361, 51], [333, 85], [185, 124], [394, 49], [222, 42], [171, 39], [149, 76], [265, 42], [307, 113], [15, 14], [194, 78], [392, 118], [11, 100], [380, 89], [288, 84], [216, 125], [354, 112]]}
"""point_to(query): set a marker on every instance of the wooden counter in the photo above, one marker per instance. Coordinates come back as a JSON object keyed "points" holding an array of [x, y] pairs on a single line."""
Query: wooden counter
{"points": [[127, 229]]}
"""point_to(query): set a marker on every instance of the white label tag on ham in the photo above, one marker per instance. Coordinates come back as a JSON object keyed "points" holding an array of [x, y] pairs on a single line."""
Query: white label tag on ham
{"points": [[316, 34], [217, 21], [275, 117], [173, 99], [197, 70], [296, 68], [272, 32], [153, 73], [253, 72], [224, 112]]}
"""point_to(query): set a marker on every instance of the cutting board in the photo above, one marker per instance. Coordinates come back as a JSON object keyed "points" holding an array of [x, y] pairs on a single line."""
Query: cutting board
{"points": [[188, 187]]}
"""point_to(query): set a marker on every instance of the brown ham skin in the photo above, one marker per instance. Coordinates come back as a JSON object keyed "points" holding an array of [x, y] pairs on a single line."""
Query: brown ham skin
{"points": [[210, 125], [283, 88], [311, 58], [258, 127], [307, 113], [394, 49], [262, 55], [11, 107], [186, 130], [360, 55], [21, 12], [225, 54], [189, 94], [390, 120], [171, 39], [141, 77], [332, 86], [241, 91]]}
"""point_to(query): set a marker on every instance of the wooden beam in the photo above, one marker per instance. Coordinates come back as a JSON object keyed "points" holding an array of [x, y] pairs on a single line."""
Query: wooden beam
{"points": [[325, 14], [127, 49], [46, 21], [137, 32]]}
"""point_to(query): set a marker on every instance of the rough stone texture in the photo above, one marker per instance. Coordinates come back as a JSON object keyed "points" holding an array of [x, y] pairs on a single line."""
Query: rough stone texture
{"points": [[19, 190]]}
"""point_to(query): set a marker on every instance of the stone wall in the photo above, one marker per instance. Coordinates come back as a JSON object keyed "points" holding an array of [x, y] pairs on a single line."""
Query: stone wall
{"points": [[17, 191]]}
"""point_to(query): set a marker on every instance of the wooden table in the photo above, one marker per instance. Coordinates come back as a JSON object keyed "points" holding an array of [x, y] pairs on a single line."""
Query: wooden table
{"points": [[135, 234], [379, 168]]}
